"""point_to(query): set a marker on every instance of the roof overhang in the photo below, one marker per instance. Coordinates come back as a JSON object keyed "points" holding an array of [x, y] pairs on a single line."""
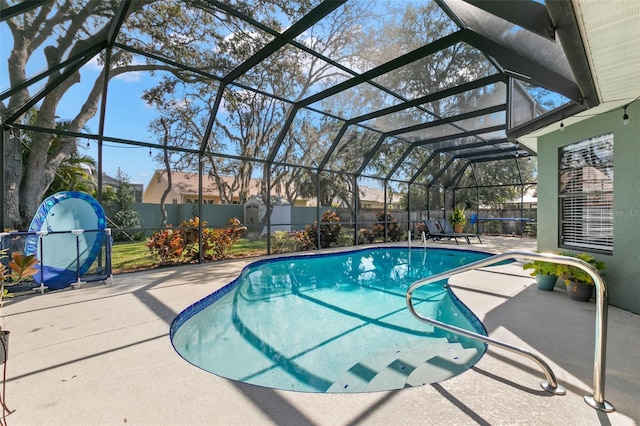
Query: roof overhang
{"points": [[609, 33]]}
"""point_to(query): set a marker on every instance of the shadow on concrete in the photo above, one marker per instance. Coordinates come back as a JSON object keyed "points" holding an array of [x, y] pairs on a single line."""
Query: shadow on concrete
{"points": [[563, 331]]}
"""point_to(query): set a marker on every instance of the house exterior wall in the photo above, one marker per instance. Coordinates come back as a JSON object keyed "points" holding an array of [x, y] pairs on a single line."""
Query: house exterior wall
{"points": [[623, 265], [154, 191]]}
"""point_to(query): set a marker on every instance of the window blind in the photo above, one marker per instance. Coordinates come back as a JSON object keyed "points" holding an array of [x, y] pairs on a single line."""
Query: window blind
{"points": [[586, 194]]}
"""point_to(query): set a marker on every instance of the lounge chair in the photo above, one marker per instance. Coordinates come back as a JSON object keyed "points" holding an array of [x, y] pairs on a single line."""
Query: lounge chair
{"points": [[446, 227], [436, 233]]}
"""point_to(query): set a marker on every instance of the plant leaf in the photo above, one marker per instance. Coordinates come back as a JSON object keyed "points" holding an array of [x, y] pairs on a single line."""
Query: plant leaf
{"points": [[23, 266]]}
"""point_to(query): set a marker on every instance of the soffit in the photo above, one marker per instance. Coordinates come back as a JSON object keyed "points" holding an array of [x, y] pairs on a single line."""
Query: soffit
{"points": [[610, 35]]}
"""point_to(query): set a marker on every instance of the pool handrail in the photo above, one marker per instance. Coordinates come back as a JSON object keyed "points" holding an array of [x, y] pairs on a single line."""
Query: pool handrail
{"points": [[596, 400]]}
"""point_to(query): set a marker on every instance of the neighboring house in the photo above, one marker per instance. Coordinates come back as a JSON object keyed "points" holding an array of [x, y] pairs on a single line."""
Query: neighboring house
{"points": [[137, 188], [373, 198], [111, 182], [184, 188]]}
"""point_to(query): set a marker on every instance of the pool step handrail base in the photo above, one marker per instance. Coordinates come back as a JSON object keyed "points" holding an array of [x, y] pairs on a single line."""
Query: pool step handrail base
{"points": [[601, 406], [557, 390]]}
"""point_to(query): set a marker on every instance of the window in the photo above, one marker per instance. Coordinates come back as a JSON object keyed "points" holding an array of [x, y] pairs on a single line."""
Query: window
{"points": [[586, 194]]}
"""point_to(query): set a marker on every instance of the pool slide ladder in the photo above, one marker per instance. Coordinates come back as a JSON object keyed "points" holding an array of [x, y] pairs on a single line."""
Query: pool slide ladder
{"points": [[596, 400]]}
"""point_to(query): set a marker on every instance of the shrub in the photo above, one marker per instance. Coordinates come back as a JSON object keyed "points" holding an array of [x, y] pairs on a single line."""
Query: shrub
{"points": [[127, 219], [182, 245], [288, 242], [121, 201], [166, 245], [365, 236], [189, 230], [329, 230], [217, 243], [394, 232], [303, 242], [345, 239], [282, 242]]}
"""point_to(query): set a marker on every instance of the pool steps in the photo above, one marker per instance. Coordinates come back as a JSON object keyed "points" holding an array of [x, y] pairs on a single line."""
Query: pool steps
{"points": [[413, 364]]}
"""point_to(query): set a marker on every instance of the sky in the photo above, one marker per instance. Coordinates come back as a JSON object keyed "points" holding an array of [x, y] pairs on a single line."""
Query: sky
{"points": [[127, 117], [127, 114]]}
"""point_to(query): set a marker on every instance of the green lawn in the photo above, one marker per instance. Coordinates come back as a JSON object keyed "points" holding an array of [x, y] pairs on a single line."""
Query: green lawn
{"points": [[130, 256], [244, 247]]}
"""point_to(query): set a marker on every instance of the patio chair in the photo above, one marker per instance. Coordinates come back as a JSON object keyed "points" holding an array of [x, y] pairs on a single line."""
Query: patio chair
{"points": [[436, 233], [447, 229]]}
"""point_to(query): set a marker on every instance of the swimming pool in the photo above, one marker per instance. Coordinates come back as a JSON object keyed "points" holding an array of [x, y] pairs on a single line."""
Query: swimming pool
{"points": [[333, 323]]}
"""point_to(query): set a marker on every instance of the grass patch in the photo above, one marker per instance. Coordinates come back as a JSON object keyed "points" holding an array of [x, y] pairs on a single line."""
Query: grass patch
{"points": [[245, 248], [130, 256], [134, 255]]}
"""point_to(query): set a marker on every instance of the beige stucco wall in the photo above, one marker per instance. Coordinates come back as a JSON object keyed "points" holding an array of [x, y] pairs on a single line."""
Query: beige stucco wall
{"points": [[623, 266], [154, 191]]}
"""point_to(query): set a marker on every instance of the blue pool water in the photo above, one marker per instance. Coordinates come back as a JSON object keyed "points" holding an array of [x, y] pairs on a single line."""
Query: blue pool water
{"points": [[333, 323]]}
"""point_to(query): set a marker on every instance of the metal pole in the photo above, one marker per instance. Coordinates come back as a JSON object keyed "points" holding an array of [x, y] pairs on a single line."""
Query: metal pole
{"points": [[77, 233], [200, 209], [109, 267], [318, 208], [386, 212], [268, 204], [521, 199], [3, 209], [356, 209], [444, 205], [41, 235], [101, 122], [409, 211], [475, 179], [428, 203]]}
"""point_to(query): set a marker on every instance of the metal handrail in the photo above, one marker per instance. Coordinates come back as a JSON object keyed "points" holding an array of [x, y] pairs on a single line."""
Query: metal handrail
{"points": [[596, 400]]}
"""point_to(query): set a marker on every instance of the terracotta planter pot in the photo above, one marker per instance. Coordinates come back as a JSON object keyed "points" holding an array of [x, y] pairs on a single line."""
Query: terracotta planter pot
{"points": [[546, 282], [580, 292], [458, 228]]}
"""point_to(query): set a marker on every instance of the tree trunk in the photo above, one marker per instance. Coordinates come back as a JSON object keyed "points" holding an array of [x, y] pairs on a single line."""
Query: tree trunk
{"points": [[12, 157], [167, 166]]}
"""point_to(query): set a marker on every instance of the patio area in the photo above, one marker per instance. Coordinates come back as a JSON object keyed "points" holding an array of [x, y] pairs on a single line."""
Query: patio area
{"points": [[102, 355]]}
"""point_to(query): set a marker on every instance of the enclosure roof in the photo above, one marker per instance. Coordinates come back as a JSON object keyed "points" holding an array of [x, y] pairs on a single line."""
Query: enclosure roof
{"points": [[391, 89]]}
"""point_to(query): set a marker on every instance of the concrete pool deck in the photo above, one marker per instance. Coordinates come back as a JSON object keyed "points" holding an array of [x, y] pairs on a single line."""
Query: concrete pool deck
{"points": [[101, 355]]}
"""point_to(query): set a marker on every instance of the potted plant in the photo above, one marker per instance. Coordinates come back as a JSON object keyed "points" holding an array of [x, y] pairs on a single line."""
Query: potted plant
{"points": [[21, 267], [458, 219], [545, 273], [579, 283]]}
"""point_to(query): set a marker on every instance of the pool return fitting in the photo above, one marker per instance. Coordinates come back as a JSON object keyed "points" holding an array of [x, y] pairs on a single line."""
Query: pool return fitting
{"points": [[596, 400]]}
